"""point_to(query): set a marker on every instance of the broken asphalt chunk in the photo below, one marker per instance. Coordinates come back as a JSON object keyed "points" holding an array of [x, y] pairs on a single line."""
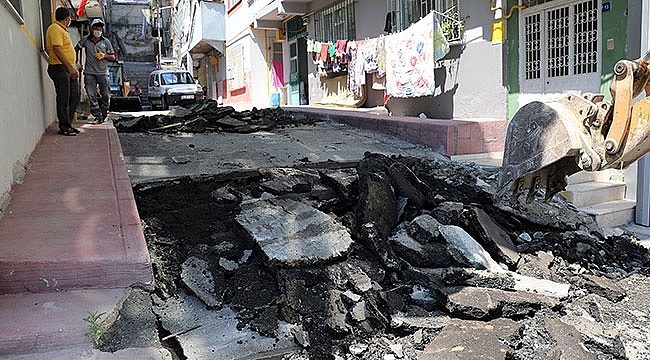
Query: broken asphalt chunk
{"points": [[291, 233]]}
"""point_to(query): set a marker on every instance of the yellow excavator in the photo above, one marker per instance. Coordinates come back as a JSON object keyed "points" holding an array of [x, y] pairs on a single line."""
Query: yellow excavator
{"points": [[547, 142]]}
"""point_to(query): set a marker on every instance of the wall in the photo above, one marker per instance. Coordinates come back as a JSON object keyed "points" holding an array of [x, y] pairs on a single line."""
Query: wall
{"points": [[464, 90], [614, 26], [27, 100], [126, 23]]}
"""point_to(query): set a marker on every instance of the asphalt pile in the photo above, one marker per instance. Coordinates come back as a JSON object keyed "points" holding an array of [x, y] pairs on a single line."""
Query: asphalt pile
{"points": [[207, 116], [391, 258]]}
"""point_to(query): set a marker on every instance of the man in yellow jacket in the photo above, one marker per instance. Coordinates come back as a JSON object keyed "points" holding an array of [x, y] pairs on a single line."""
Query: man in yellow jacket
{"points": [[62, 70]]}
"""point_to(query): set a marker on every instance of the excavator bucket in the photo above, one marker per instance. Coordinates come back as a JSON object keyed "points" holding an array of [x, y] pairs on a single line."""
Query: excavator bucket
{"points": [[544, 145]]}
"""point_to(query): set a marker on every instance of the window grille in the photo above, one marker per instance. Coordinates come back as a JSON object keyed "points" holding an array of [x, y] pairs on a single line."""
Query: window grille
{"points": [[585, 37], [557, 27], [562, 40], [532, 33], [407, 12], [335, 22]]}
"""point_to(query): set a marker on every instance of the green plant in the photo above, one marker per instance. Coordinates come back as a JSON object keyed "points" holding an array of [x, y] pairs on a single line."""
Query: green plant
{"points": [[96, 330], [452, 25]]}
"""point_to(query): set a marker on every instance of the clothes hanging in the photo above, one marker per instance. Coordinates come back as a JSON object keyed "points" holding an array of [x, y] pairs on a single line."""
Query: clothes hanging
{"points": [[410, 60], [277, 74]]}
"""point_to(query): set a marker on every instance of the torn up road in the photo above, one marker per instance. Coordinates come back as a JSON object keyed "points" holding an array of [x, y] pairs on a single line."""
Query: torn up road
{"points": [[294, 243]]}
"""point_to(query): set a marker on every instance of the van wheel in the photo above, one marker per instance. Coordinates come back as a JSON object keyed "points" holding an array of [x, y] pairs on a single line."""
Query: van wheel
{"points": [[151, 103], [164, 102]]}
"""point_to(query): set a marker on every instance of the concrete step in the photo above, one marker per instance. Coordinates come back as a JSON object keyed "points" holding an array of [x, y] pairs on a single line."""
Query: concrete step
{"points": [[612, 213], [34, 323], [593, 192], [589, 176]]}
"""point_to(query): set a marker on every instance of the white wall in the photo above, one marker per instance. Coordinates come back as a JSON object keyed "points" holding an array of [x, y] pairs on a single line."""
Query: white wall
{"points": [[27, 101]]}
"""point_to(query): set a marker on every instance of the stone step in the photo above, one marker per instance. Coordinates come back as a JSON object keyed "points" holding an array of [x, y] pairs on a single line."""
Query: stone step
{"points": [[612, 213], [593, 192], [589, 176], [42, 322]]}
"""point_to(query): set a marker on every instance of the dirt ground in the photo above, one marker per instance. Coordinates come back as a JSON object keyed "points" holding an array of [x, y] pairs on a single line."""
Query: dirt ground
{"points": [[394, 293]]}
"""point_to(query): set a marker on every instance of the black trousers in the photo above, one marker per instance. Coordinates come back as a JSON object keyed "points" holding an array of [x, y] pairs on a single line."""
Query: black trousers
{"points": [[67, 95]]}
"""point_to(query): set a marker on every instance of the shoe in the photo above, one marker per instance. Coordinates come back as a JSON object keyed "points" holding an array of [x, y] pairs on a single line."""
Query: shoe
{"points": [[75, 130], [67, 133]]}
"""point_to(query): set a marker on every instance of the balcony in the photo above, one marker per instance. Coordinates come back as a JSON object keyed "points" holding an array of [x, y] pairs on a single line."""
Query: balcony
{"points": [[199, 27], [269, 14]]}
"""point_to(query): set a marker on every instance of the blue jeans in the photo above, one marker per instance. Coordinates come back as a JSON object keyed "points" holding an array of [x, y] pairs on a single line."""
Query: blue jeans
{"points": [[99, 103], [67, 95]]}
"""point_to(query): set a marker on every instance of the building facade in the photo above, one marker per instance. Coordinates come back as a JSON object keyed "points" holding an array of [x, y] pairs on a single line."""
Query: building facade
{"points": [[267, 56]]}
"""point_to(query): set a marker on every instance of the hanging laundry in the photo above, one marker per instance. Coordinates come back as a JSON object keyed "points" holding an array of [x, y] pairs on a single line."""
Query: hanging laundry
{"points": [[410, 60], [340, 48], [310, 45], [381, 56], [364, 60], [440, 44], [277, 74], [354, 80], [323, 52]]}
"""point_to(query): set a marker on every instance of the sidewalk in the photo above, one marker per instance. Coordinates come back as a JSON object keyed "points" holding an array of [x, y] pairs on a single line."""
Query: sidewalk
{"points": [[72, 242]]}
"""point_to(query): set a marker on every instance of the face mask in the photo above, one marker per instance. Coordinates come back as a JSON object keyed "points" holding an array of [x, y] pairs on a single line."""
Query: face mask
{"points": [[97, 33]]}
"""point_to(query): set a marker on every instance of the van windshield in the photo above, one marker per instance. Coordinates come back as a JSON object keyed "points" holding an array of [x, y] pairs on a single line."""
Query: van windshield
{"points": [[173, 78]]}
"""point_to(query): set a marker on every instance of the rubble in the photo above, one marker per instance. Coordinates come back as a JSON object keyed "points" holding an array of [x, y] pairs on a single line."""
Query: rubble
{"points": [[208, 116], [396, 258]]}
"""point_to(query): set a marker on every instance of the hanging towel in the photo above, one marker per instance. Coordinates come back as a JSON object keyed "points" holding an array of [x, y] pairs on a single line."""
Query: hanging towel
{"points": [[331, 50], [410, 61], [277, 74], [323, 52]]}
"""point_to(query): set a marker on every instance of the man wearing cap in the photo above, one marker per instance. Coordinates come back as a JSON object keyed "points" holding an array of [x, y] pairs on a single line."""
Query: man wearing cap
{"points": [[99, 51]]}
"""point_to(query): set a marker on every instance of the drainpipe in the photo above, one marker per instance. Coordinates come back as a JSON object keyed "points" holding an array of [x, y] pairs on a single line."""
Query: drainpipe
{"points": [[643, 165]]}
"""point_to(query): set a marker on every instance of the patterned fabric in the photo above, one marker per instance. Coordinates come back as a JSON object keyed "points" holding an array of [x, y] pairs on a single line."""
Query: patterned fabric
{"points": [[410, 60], [353, 79], [381, 56]]}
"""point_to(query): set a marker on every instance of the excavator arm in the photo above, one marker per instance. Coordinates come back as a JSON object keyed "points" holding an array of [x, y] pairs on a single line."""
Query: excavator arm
{"points": [[547, 142]]}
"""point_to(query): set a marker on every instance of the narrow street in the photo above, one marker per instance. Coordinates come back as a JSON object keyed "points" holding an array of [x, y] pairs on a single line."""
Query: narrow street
{"points": [[322, 241]]}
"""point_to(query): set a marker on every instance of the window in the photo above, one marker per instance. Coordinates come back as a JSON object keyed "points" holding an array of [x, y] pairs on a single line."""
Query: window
{"points": [[15, 8], [407, 12], [232, 4], [177, 78], [336, 22], [559, 43], [235, 61]]}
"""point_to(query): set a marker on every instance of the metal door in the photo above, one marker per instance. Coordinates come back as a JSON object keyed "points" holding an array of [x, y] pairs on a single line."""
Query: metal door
{"points": [[294, 75]]}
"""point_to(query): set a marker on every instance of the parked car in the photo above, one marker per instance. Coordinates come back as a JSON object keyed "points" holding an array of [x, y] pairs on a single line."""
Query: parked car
{"points": [[173, 87]]}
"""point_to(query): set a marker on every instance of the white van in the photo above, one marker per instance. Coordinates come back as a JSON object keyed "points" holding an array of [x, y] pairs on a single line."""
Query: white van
{"points": [[173, 87]]}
